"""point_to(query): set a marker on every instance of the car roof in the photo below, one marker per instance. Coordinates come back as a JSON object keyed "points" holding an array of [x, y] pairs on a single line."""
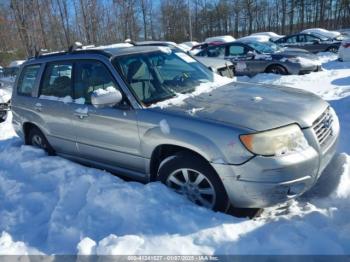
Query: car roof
{"points": [[108, 51]]}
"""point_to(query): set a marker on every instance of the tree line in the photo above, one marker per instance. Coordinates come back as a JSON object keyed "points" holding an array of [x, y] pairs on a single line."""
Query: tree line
{"points": [[27, 26]]}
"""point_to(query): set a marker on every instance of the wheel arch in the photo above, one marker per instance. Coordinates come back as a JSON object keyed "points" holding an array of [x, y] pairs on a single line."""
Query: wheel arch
{"points": [[27, 126], [163, 151], [275, 64]]}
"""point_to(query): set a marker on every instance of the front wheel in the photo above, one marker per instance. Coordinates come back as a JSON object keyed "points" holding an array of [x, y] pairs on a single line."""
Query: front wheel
{"points": [[276, 69], [333, 49], [193, 177], [36, 138]]}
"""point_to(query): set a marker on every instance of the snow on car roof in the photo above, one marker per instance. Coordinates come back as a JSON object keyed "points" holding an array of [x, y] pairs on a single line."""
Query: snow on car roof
{"points": [[223, 38], [322, 31], [258, 38]]}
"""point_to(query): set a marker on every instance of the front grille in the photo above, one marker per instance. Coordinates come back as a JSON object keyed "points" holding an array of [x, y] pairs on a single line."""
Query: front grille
{"points": [[323, 127]]}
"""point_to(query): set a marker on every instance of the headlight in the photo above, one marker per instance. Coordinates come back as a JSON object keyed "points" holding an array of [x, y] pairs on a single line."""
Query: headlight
{"points": [[280, 141]]}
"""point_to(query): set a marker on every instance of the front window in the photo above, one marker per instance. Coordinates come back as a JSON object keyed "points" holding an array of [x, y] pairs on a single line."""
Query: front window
{"points": [[91, 75], [264, 48], [160, 75]]}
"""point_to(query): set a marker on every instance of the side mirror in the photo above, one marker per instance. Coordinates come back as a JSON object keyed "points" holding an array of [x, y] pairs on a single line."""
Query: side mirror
{"points": [[251, 54], [316, 41], [106, 98]]}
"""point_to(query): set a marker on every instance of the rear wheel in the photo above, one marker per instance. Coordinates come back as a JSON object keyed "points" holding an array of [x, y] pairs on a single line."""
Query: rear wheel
{"points": [[36, 138], [193, 177], [276, 69]]}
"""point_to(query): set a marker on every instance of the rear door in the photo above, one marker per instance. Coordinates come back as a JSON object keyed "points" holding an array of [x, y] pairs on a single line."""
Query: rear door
{"points": [[55, 97], [24, 97], [107, 136]]}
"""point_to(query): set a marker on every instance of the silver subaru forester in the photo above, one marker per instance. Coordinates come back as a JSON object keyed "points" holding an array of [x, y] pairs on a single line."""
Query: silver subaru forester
{"points": [[155, 113]]}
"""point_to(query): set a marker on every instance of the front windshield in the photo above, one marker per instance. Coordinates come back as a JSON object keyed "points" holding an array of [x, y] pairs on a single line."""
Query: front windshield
{"points": [[160, 75], [265, 47]]}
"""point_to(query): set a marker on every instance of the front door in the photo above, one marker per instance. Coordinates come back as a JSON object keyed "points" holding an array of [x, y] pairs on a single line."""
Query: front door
{"points": [[109, 135]]}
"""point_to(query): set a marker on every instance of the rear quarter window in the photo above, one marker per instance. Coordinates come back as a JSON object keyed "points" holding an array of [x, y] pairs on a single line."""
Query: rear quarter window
{"points": [[27, 80]]}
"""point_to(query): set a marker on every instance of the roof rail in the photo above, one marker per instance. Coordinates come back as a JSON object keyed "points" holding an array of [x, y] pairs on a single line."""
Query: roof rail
{"points": [[76, 48]]}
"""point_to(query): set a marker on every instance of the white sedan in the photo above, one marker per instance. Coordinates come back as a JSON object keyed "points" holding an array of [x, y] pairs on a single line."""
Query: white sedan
{"points": [[344, 51]]}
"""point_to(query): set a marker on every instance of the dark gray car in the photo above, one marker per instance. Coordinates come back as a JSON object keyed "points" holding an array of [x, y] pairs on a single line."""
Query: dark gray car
{"points": [[312, 42], [155, 113], [252, 57]]}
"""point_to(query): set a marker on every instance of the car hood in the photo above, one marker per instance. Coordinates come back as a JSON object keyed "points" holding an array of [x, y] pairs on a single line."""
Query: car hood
{"points": [[295, 52], [254, 106]]}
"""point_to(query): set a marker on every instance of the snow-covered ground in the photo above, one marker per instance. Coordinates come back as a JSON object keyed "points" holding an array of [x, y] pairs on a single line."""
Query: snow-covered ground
{"points": [[51, 205]]}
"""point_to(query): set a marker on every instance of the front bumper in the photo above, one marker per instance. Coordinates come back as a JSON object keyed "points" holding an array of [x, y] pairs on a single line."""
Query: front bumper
{"points": [[267, 181], [300, 69]]}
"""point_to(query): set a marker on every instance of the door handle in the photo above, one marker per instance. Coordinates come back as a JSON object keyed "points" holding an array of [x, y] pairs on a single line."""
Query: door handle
{"points": [[38, 107]]}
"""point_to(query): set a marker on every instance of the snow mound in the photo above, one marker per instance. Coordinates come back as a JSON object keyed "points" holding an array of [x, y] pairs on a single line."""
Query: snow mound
{"points": [[315, 224]]}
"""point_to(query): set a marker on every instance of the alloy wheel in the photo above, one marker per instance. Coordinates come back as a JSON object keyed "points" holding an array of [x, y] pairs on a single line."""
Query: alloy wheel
{"points": [[38, 141], [194, 185]]}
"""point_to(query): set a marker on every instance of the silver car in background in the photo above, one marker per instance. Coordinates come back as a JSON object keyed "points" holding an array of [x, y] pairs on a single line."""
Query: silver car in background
{"points": [[253, 57], [155, 113]]}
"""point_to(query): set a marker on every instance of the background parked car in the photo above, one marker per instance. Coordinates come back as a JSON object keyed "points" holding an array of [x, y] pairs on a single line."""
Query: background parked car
{"points": [[312, 42], [219, 66], [344, 51], [222, 39], [271, 35], [12, 69], [334, 35], [251, 58], [5, 97], [258, 38]]}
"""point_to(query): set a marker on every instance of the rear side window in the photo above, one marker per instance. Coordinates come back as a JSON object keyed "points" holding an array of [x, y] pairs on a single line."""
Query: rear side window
{"points": [[292, 40], [57, 80], [91, 75], [217, 51], [27, 80], [236, 50]]}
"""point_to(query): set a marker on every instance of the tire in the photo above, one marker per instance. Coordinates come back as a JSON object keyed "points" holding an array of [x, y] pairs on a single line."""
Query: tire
{"points": [[276, 69], [3, 117], [203, 185], [37, 138], [332, 49]]}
